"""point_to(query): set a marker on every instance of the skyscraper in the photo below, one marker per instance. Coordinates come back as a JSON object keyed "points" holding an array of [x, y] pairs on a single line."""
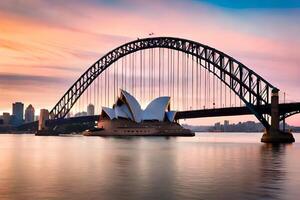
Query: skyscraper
{"points": [[29, 114], [18, 112], [90, 109], [226, 125], [6, 118]]}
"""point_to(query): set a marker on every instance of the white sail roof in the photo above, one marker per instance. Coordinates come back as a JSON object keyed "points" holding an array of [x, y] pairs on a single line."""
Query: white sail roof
{"points": [[156, 109], [109, 112], [123, 112], [129, 108], [133, 105], [171, 115]]}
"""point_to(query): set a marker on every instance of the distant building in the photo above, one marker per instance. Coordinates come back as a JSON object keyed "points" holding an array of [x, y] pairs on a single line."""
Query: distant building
{"points": [[90, 109], [18, 113], [218, 126], [80, 114], [44, 115], [226, 125], [6, 118], [29, 114]]}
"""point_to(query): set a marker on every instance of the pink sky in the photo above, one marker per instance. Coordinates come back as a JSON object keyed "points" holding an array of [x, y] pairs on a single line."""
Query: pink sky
{"points": [[45, 51]]}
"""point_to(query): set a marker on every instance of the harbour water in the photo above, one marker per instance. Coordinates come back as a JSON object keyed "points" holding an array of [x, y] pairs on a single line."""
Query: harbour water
{"points": [[207, 166]]}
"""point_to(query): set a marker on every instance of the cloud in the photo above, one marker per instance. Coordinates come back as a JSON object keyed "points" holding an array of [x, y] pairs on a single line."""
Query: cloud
{"points": [[9, 81]]}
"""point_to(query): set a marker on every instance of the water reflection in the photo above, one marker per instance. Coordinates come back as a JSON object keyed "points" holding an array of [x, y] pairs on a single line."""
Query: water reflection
{"points": [[146, 168], [273, 171]]}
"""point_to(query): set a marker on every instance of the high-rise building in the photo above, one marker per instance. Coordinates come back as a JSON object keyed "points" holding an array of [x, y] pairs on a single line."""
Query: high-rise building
{"points": [[6, 118], [226, 125], [18, 113], [29, 114], [90, 109]]}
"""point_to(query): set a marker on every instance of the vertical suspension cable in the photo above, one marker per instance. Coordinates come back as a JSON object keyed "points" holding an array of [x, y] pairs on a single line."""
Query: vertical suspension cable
{"points": [[94, 94], [87, 95], [159, 63], [197, 82], [177, 95], [91, 90], [221, 89], [173, 76], [133, 74], [144, 77], [125, 71], [200, 80], [117, 81], [208, 87], [154, 74], [97, 108], [130, 73], [105, 93], [149, 75], [141, 72], [122, 75], [162, 70], [192, 81], [114, 75], [230, 93], [182, 81], [214, 95], [205, 83], [168, 73], [151, 71], [225, 90], [108, 87], [185, 81]]}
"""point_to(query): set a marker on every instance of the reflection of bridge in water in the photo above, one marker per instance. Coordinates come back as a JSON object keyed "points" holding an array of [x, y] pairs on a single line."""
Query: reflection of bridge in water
{"points": [[194, 75]]}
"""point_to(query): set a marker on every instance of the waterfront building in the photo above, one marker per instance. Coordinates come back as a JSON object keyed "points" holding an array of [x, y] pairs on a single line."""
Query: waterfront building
{"points": [[18, 113], [90, 109], [127, 107], [127, 118], [29, 114]]}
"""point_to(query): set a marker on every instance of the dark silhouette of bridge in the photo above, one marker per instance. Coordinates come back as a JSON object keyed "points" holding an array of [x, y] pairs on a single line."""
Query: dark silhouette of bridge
{"points": [[193, 74], [284, 109]]}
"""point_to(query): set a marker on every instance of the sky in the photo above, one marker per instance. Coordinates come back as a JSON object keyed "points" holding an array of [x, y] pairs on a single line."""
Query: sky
{"points": [[45, 45]]}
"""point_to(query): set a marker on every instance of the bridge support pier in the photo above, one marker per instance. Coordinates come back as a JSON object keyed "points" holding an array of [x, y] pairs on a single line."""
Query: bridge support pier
{"points": [[43, 130], [274, 134]]}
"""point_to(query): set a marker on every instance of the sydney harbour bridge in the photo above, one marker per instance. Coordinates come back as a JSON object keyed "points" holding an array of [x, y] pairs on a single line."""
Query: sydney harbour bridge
{"points": [[201, 81]]}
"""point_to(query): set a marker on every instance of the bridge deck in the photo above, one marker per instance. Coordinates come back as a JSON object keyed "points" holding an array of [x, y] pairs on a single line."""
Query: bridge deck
{"points": [[218, 112]]}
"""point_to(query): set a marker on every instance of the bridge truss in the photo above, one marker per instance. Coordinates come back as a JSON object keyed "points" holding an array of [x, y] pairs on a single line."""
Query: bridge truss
{"points": [[252, 89]]}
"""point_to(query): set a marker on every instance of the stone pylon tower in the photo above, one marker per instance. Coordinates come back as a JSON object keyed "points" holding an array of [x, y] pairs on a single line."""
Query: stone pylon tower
{"points": [[274, 134]]}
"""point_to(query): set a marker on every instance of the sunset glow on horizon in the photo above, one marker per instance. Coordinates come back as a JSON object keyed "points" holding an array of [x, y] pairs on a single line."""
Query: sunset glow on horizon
{"points": [[46, 45]]}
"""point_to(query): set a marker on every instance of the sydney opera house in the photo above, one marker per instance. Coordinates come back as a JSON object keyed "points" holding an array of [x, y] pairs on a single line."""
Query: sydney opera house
{"points": [[127, 118]]}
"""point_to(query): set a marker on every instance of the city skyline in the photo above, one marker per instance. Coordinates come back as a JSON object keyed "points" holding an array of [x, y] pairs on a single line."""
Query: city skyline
{"points": [[47, 55]]}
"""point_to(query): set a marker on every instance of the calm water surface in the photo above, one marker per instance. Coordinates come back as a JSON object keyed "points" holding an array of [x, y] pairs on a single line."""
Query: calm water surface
{"points": [[208, 166]]}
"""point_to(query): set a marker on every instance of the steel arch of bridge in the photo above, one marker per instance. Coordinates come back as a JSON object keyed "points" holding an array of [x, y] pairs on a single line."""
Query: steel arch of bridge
{"points": [[289, 114], [248, 85]]}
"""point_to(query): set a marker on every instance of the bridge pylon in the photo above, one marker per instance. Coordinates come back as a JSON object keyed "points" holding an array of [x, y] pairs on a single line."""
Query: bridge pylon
{"points": [[274, 134]]}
